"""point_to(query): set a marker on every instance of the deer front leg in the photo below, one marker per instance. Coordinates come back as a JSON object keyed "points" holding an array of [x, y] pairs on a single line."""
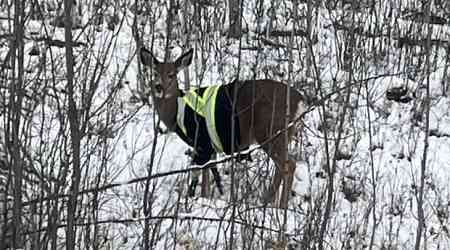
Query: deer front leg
{"points": [[200, 158], [193, 184], [205, 190]]}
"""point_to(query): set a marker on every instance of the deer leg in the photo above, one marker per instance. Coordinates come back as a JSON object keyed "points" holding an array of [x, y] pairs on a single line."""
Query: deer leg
{"points": [[277, 151], [217, 179], [205, 183], [270, 194], [288, 180], [193, 184], [290, 166]]}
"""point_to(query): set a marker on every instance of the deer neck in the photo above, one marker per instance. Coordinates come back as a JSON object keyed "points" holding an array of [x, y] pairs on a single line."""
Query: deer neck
{"points": [[167, 110]]}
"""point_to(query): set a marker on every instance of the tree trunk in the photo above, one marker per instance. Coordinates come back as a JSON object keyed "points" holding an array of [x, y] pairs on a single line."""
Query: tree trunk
{"points": [[14, 118], [234, 18], [74, 129]]}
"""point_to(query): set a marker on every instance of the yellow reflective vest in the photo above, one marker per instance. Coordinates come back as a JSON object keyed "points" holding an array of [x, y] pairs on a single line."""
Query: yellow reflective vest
{"points": [[204, 121]]}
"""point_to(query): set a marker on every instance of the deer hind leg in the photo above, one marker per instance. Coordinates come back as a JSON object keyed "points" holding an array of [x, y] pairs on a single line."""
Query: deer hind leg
{"points": [[289, 171], [277, 151], [284, 172], [288, 181], [205, 190]]}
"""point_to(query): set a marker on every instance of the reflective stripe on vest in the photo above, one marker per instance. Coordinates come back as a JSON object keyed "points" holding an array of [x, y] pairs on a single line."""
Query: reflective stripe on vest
{"points": [[204, 106], [211, 117]]}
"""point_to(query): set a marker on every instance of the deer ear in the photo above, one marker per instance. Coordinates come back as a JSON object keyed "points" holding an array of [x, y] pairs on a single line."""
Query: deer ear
{"points": [[184, 60], [147, 57]]}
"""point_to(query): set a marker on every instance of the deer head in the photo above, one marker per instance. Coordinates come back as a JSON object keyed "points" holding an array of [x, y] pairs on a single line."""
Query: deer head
{"points": [[166, 85]]}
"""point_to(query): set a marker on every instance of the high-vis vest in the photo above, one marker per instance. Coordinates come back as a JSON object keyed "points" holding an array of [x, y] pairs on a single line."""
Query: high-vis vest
{"points": [[204, 119]]}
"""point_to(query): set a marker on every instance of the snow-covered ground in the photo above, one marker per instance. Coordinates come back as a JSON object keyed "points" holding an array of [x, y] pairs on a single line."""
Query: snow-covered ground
{"points": [[383, 140]]}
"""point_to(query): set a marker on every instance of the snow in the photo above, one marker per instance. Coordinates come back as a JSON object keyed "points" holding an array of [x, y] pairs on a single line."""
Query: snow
{"points": [[395, 141]]}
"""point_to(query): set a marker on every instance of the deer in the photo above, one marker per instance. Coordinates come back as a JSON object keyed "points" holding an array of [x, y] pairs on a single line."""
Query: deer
{"points": [[260, 107]]}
